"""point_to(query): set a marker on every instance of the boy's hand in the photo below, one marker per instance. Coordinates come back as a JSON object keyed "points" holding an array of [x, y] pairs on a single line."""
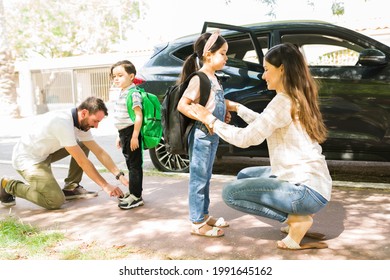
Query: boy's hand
{"points": [[134, 144]]}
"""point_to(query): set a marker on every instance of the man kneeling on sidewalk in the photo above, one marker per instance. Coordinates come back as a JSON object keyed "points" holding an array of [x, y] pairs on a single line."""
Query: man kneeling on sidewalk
{"points": [[54, 136]]}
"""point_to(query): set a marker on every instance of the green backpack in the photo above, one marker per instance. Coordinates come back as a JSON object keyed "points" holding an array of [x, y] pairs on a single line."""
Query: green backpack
{"points": [[151, 129]]}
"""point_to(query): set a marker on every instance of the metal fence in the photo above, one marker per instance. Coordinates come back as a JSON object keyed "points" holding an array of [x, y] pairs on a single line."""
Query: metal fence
{"points": [[55, 84], [63, 86]]}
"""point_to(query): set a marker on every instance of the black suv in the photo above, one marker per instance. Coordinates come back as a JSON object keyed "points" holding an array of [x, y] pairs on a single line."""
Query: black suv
{"points": [[353, 71]]}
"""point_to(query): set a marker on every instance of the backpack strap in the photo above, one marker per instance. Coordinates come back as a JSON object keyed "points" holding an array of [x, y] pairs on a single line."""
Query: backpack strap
{"points": [[205, 86], [129, 100]]}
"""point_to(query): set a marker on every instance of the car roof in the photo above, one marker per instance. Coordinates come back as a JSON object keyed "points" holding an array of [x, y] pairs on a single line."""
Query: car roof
{"points": [[267, 25], [288, 24], [280, 25]]}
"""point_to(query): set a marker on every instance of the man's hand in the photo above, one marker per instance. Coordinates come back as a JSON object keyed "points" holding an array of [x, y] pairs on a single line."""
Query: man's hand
{"points": [[112, 190], [124, 181]]}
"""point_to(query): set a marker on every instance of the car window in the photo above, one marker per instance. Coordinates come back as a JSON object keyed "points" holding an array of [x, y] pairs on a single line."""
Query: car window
{"points": [[242, 53], [183, 52], [325, 50]]}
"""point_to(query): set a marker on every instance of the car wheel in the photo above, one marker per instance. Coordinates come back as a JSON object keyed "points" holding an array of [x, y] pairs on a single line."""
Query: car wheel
{"points": [[167, 162]]}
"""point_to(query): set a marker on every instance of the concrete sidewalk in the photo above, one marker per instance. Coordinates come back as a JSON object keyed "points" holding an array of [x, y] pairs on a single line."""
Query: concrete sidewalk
{"points": [[356, 223]]}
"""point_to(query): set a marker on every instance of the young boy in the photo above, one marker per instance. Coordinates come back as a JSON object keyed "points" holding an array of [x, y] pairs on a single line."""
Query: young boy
{"points": [[122, 74]]}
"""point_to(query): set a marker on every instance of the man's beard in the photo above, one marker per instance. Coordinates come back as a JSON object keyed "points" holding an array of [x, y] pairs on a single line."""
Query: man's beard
{"points": [[84, 126]]}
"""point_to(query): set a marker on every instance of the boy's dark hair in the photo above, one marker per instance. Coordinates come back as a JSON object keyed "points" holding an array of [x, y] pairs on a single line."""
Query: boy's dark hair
{"points": [[127, 65], [93, 105]]}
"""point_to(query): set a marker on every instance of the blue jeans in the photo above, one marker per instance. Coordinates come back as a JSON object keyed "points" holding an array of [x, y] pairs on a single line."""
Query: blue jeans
{"points": [[257, 192], [202, 150]]}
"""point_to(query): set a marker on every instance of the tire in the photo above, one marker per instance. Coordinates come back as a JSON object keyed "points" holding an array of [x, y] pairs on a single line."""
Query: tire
{"points": [[167, 162]]}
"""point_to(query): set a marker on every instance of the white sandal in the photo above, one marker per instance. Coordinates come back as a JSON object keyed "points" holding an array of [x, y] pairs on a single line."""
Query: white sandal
{"points": [[195, 230], [220, 222], [292, 245]]}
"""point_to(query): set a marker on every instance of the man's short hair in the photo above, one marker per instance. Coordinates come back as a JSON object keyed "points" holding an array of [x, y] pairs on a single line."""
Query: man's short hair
{"points": [[93, 105]]}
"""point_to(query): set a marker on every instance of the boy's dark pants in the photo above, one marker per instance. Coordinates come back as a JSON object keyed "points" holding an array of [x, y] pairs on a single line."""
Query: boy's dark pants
{"points": [[133, 160]]}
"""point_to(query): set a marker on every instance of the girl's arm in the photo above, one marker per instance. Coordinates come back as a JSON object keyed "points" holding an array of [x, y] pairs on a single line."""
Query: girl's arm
{"points": [[275, 115], [190, 95], [184, 107]]}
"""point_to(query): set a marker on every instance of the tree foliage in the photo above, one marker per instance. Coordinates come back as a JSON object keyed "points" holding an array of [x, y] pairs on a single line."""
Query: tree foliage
{"points": [[54, 28], [338, 8]]}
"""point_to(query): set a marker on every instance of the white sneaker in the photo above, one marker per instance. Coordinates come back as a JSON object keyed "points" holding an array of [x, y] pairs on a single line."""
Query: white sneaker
{"points": [[130, 201]]}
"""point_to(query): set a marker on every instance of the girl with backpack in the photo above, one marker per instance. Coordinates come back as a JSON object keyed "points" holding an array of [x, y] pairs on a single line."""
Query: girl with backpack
{"points": [[209, 56]]}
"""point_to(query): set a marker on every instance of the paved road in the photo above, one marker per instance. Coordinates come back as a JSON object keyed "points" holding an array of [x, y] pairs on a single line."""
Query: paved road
{"points": [[356, 223]]}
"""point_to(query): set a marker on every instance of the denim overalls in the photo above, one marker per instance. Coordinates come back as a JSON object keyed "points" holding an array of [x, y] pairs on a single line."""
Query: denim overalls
{"points": [[202, 151]]}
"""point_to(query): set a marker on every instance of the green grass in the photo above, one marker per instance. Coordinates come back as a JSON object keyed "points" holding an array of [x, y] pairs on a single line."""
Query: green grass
{"points": [[24, 241], [21, 241]]}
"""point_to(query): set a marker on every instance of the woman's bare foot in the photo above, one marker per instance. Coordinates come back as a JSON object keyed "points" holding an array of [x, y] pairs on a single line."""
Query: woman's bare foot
{"points": [[309, 234]]}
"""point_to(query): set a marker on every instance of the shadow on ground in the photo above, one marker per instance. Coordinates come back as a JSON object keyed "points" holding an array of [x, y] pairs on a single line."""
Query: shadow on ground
{"points": [[356, 224]]}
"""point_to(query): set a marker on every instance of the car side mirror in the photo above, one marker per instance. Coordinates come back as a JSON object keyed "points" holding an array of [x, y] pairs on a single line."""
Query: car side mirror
{"points": [[372, 57]]}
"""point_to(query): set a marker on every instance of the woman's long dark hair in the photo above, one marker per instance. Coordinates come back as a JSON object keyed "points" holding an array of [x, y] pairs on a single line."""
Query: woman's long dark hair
{"points": [[301, 87]]}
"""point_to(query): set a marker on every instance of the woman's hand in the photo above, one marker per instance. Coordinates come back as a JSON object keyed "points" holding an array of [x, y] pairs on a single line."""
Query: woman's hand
{"points": [[202, 114], [231, 106]]}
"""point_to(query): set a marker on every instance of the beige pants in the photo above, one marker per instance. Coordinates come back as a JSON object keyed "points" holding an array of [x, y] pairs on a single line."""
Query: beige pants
{"points": [[41, 187]]}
